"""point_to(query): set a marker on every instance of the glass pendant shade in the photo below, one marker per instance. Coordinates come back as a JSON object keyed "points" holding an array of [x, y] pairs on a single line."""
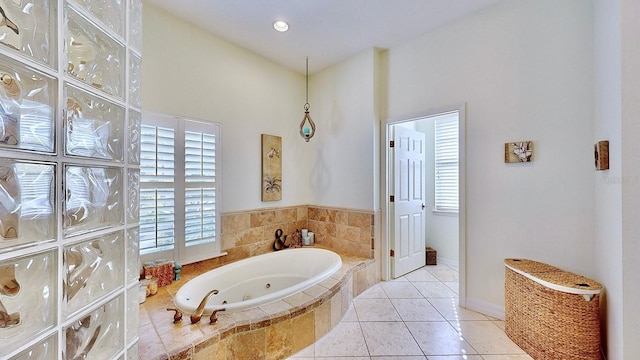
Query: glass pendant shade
{"points": [[307, 126]]}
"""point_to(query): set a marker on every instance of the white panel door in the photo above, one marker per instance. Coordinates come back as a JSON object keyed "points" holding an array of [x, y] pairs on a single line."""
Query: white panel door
{"points": [[408, 244]]}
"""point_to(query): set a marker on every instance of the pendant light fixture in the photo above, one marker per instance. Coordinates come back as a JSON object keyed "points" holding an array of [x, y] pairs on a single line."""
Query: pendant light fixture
{"points": [[307, 126]]}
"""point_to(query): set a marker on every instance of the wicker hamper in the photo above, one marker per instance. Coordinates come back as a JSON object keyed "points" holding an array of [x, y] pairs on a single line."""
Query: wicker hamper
{"points": [[551, 313]]}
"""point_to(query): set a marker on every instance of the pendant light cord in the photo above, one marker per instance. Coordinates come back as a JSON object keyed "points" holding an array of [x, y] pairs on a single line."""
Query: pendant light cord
{"points": [[306, 105]]}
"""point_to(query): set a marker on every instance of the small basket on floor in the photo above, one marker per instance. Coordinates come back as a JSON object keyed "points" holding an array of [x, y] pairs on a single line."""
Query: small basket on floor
{"points": [[432, 256]]}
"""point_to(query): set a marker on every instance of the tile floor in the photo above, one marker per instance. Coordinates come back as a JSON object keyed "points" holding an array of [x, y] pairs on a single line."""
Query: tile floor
{"points": [[411, 318]]}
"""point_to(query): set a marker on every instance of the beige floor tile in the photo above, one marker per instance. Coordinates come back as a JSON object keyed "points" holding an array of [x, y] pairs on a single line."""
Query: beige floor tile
{"points": [[445, 274], [453, 285], [434, 290], [416, 310], [499, 323], [400, 357], [439, 338], [438, 266], [507, 357], [350, 315], [487, 338], [374, 292], [455, 357], [306, 353], [420, 275], [401, 279], [375, 310], [401, 290], [389, 338], [345, 339], [344, 358], [451, 311]]}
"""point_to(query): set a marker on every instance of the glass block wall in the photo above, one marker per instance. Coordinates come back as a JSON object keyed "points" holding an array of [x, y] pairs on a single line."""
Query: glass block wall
{"points": [[69, 178]]}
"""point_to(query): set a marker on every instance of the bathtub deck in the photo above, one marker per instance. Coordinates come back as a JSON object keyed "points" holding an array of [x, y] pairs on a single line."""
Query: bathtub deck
{"points": [[271, 331]]}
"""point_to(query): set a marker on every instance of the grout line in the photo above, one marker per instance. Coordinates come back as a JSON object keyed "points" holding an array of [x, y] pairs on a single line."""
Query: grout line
{"points": [[452, 323]]}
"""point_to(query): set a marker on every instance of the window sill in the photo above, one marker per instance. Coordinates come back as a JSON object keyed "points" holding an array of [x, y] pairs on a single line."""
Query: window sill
{"points": [[444, 213]]}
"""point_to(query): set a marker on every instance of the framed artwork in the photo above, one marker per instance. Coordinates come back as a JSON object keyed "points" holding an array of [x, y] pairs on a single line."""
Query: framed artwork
{"points": [[601, 154], [520, 151], [271, 168]]}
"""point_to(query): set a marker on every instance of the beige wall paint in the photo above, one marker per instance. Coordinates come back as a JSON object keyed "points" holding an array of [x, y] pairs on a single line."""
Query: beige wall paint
{"points": [[524, 69], [608, 184], [630, 10], [343, 156], [194, 74]]}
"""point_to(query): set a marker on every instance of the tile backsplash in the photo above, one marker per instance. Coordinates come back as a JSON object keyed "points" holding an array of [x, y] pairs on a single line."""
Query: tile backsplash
{"points": [[252, 232]]}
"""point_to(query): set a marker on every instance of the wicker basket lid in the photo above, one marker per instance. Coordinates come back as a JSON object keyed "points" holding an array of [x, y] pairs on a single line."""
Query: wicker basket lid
{"points": [[553, 277]]}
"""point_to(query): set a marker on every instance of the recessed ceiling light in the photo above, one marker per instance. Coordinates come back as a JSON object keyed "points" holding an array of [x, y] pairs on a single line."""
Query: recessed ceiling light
{"points": [[280, 25]]}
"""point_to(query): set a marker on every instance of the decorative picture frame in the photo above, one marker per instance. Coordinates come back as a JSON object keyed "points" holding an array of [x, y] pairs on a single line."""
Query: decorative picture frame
{"points": [[601, 155], [518, 151], [271, 168]]}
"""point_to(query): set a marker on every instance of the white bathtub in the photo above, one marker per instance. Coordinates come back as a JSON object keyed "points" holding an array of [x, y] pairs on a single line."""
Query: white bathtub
{"points": [[258, 280]]}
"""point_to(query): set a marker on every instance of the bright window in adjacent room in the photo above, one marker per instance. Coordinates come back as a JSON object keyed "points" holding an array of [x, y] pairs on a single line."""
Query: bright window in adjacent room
{"points": [[179, 184], [446, 163]]}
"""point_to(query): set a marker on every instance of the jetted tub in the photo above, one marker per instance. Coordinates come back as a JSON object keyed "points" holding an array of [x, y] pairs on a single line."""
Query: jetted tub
{"points": [[258, 280]]}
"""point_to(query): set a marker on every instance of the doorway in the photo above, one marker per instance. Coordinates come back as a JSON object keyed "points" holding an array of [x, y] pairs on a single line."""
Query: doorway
{"points": [[442, 227]]}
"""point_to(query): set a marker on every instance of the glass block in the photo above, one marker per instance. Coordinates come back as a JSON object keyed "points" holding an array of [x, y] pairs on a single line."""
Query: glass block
{"points": [[27, 203], [135, 125], [46, 349], [132, 352], [92, 56], [28, 287], [135, 25], [133, 192], [135, 78], [93, 269], [93, 198], [29, 27], [110, 13], [27, 100], [133, 309], [97, 335], [133, 254], [94, 126]]}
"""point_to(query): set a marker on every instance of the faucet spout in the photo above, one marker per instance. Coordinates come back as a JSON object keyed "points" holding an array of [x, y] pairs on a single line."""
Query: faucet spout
{"points": [[197, 315]]}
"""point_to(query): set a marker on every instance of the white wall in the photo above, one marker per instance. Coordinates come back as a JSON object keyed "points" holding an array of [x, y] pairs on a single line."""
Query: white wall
{"points": [[630, 32], [608, 184], [525, 70], [343, 157], [441, 229], [191, 73]]}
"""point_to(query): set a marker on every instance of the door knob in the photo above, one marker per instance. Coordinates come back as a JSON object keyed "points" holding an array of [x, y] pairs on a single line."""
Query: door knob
{"points": [[423, 206]]}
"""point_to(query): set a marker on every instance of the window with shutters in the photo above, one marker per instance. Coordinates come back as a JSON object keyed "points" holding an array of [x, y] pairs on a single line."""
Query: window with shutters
{"points": [[179, 185], [446, 163]]}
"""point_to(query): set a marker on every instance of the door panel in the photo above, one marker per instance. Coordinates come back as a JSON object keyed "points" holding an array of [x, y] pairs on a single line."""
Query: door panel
{"points": [[408, 210]]}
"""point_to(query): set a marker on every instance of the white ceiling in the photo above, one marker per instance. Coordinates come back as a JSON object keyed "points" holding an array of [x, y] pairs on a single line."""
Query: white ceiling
{"points": [[327, 31]]}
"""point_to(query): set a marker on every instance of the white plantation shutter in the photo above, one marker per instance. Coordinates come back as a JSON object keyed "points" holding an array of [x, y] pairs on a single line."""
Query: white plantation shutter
{"points": [[200, 191], [178, 215], [157, 195], [446, 164]]}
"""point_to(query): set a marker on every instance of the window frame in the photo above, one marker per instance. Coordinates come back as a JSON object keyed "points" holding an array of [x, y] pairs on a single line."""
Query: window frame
{"points": [[180, 252], [446, 160]]}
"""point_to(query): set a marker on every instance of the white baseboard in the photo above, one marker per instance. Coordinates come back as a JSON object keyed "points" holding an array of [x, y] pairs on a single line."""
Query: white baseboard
{"points": [[449, 262], [483, 307]]}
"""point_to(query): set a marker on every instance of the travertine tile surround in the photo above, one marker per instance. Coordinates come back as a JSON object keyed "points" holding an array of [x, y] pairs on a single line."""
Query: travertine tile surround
{"points": [[251, 233], [272, 331]]}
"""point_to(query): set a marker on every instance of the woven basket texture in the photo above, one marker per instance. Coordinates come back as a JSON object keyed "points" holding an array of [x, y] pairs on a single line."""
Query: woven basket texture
{"points": [[551, 324]]}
